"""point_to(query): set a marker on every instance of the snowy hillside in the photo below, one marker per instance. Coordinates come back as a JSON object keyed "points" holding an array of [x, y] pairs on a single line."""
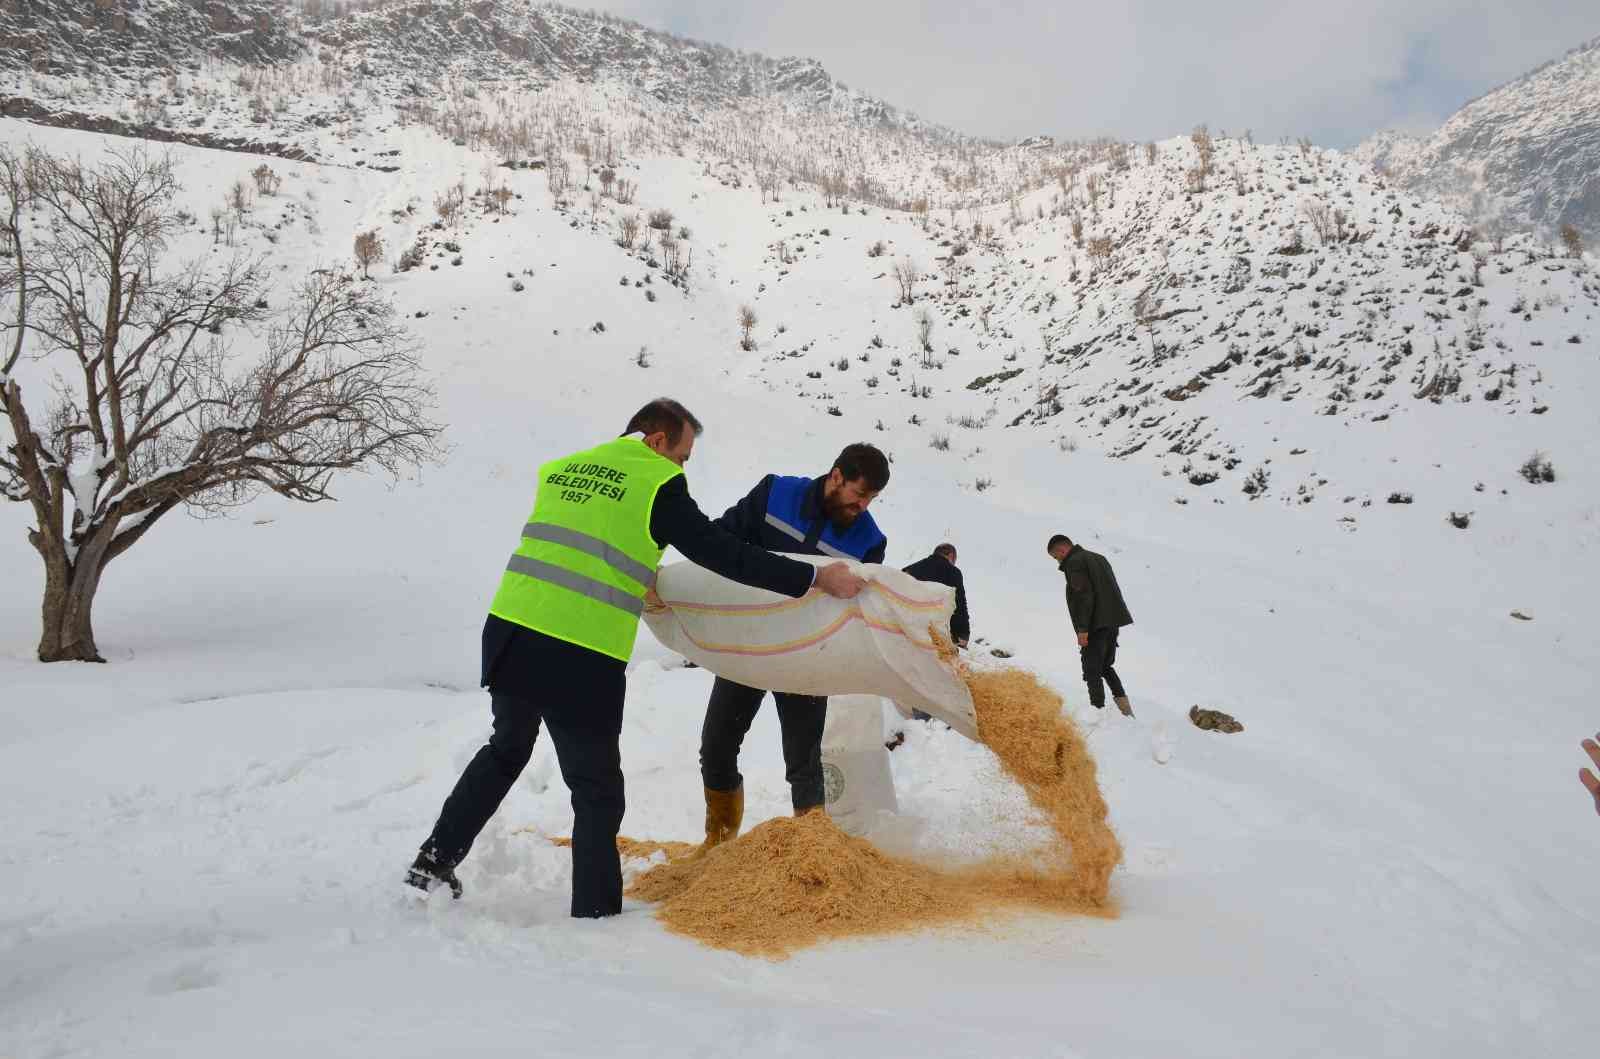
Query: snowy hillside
{"points": [[1224, 314], [1526, 155], [400, 48], [1393, 858]]}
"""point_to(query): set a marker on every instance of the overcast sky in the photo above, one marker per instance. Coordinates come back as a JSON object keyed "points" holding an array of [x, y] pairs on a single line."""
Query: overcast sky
{"points": [[1334, 70]]}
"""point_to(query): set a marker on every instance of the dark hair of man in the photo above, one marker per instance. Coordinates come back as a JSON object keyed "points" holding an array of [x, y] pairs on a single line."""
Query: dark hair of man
{"points": [[948, 551], [1060, 538], [664, 416], [863, 461]]}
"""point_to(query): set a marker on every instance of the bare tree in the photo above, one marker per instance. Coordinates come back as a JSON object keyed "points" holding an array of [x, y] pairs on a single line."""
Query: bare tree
{"points": [[1321, 217], [159, 414], [1573, 239], [1341, 226], [747, 323], [267, 181], [672, 252], [448, 204], [627, 230], [1146, 309], [834, 188], [1100, 250], [924, 322], [608, 177], [905, 274], [369, 250], [558, 174], [239, 198], [1204, 148]]}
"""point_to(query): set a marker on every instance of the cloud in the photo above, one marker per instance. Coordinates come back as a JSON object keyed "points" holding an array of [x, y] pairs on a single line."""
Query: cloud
{"points": [[1147, 69]]}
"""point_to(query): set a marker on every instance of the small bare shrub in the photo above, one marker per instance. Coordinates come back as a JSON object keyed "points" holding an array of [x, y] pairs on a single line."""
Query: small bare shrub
{"points": [[627, 230], [1573, 240], [267, 181], [1255, 483], [369, 250], [905, 275], [1537, 468], [924, 323], [239, 198], [747, 323]]}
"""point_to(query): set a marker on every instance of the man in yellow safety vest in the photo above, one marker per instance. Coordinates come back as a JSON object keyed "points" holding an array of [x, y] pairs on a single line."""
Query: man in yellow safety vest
{"points": [[561, 628]]}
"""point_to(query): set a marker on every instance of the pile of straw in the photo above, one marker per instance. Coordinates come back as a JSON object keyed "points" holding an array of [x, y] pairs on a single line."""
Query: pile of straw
{"points": [[791, 883]]}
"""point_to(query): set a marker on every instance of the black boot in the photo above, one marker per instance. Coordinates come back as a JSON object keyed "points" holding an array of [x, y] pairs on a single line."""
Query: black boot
{"points": [[427, 875]]}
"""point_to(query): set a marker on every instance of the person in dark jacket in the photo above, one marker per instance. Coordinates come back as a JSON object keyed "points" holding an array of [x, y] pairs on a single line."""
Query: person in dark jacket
{"points": [[808, 516], [574, 685], [1095, 603], [940, 568]]}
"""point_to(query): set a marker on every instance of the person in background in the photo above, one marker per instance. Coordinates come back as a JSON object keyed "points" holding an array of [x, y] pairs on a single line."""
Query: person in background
{"points": [[940, 568], [1095, 602]]}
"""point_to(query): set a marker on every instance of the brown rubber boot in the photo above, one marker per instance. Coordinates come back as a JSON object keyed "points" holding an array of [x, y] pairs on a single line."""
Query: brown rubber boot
{"points": [[1123, 705], [724, 814]]}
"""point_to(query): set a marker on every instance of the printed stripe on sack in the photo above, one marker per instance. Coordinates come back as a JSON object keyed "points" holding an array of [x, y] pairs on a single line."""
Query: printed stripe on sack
{"points": [[788, 647], [790, 604]]}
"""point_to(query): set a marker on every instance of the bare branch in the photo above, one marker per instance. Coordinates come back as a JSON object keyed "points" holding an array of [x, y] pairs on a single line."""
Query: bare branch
{"points": [[154, 411]]}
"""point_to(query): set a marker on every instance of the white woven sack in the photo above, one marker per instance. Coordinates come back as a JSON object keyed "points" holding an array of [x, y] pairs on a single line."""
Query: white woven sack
{"points": [[878, 643], [855, 763]]}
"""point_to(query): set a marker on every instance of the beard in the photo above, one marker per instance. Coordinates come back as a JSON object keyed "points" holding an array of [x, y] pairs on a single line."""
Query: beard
{"points": [[832, 507]]}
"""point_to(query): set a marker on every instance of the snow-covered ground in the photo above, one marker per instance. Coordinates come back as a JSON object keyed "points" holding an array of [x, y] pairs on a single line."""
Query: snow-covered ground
{"points": [[205, 836]]}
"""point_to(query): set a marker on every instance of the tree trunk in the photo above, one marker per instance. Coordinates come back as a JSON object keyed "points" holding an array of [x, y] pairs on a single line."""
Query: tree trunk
{"points": [[69, 592]]}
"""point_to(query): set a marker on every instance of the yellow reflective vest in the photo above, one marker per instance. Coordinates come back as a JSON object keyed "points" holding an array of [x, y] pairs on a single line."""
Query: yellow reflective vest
{"points": [[586, 554]]}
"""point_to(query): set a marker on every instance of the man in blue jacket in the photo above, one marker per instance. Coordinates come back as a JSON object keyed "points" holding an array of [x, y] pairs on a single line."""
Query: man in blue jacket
{"points": [[808, 516]]}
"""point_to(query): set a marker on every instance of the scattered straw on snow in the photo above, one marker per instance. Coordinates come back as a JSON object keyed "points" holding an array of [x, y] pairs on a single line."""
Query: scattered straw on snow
{"points": [[639, 848], [790, 883]]}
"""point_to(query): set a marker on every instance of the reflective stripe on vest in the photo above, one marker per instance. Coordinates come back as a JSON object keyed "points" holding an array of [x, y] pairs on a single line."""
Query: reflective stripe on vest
{"points": [[586, 556], [584, 586], [783, 527], [545, 531]]}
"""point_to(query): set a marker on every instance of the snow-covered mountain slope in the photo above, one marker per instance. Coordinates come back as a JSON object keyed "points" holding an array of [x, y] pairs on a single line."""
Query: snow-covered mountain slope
{"points": [[1284, 320], [1526, 155], [1393, 857], [405, 46], [134, 38], [1223, 330]]}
